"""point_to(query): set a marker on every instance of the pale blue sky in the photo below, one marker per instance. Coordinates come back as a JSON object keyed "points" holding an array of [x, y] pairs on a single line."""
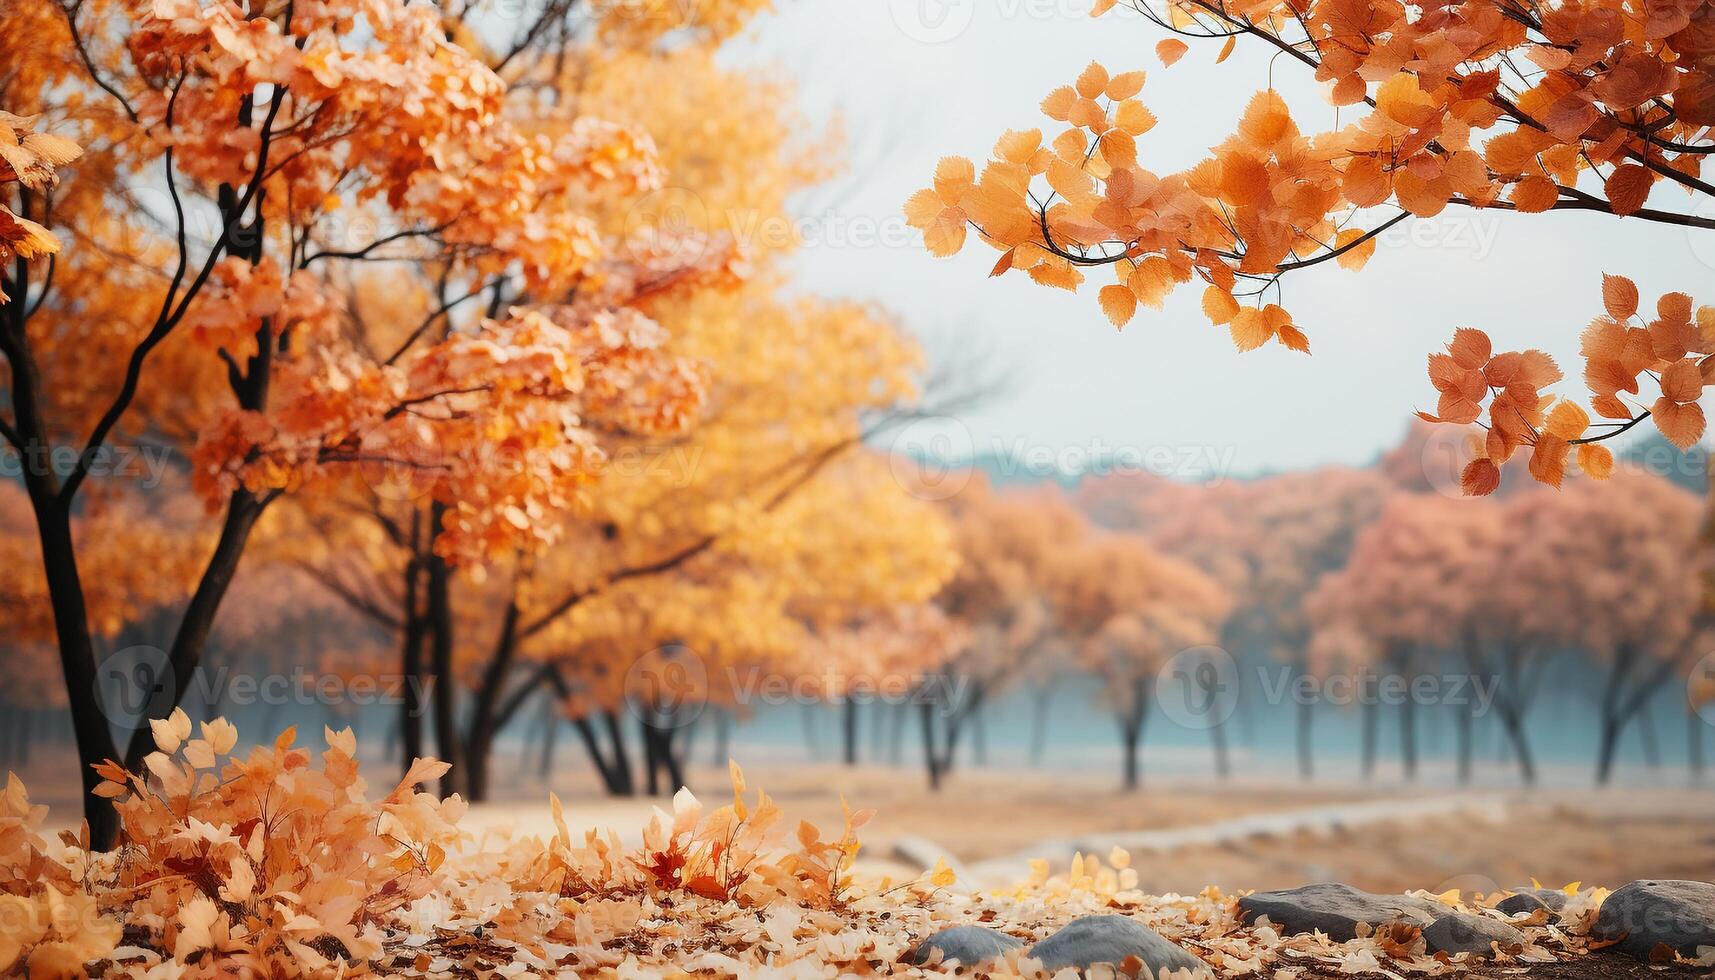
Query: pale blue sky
{"points": [[916, 79]]}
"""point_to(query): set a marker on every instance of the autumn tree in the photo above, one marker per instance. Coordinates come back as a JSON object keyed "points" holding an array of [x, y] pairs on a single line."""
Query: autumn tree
{"points": [[1402, 600], [1267, 541], [701, 257], [1628, 549], [787, 592], [1128, 610], [998, 595], [257, 155]]}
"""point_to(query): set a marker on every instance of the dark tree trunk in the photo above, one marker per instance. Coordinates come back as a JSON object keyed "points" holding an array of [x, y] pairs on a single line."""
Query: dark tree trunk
{"points": [[410, 720], [1612, 720], [663, 773], [1651, 743], [1370, 719], [1694, 744], [551, 735], [440, 626], [1519, 738], [77, 661], [1467, 719], [931, 754], [185, 657], [1408, 737], [26, 735], [723, 738], [621, 755], [1605, 757], [1039, 721], [896, 734], [1306, 747], [1133, 719], [979, 739], [615, 772], [1223, 758], [849, 730]]}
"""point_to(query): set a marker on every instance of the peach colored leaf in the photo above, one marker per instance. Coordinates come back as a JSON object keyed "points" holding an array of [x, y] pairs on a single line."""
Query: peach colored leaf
{"points": [[1596, 461]]}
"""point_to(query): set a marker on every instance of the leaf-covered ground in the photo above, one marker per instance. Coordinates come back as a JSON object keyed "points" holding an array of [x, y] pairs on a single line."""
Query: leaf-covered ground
{"points": [[279, 863]]}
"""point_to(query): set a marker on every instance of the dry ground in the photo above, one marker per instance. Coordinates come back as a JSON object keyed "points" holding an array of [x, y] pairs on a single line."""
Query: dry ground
{"points": [[1598, 837]]}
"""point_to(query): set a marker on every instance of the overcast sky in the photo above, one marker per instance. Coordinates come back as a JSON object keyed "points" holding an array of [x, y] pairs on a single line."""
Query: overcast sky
{"points": [[913, 80]]}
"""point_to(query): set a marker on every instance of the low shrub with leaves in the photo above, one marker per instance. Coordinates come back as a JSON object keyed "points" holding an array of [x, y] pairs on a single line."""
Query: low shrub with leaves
{"points": [[271, 865]]}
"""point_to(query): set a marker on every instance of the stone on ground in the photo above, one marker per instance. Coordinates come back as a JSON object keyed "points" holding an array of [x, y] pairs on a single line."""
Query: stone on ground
{"points": [[1460, 932], [970, 945], [1532, 900], [1093, 939], [1337, 910], [1647, 914]]}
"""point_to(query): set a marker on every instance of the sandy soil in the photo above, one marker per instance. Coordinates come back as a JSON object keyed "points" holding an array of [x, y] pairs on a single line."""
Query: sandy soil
{"points": [[1605, 837], [1555, 836]]}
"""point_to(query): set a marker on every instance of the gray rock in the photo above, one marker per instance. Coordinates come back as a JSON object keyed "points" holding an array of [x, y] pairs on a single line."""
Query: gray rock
{"points": [[970, 945], [1110, 939], [1645, 914], [1337, 909], [1459, 932], [1532, 900]]}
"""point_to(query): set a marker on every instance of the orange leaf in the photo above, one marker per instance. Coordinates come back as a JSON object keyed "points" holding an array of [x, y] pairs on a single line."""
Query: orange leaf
{"points": [[1119, 303], [1227, 49], [1681, 424], [1118, 148], [1219, 305], [1470, 347], [1249, 329], [1479, 478], [1548, 459], [1125, 85], [1534, 194], [1568, 420], [1620, 296], [1355, 255], [1596, 461], [1628, 187], [1171, 50], [946, 234], [1610, 407], [1682, 382], [1092, 81], [1059, 103]]}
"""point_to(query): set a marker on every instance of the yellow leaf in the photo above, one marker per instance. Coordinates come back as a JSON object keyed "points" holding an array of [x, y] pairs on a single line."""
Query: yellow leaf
{"points": [[1126, 85], [1119, 303], [1568, 420]]}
